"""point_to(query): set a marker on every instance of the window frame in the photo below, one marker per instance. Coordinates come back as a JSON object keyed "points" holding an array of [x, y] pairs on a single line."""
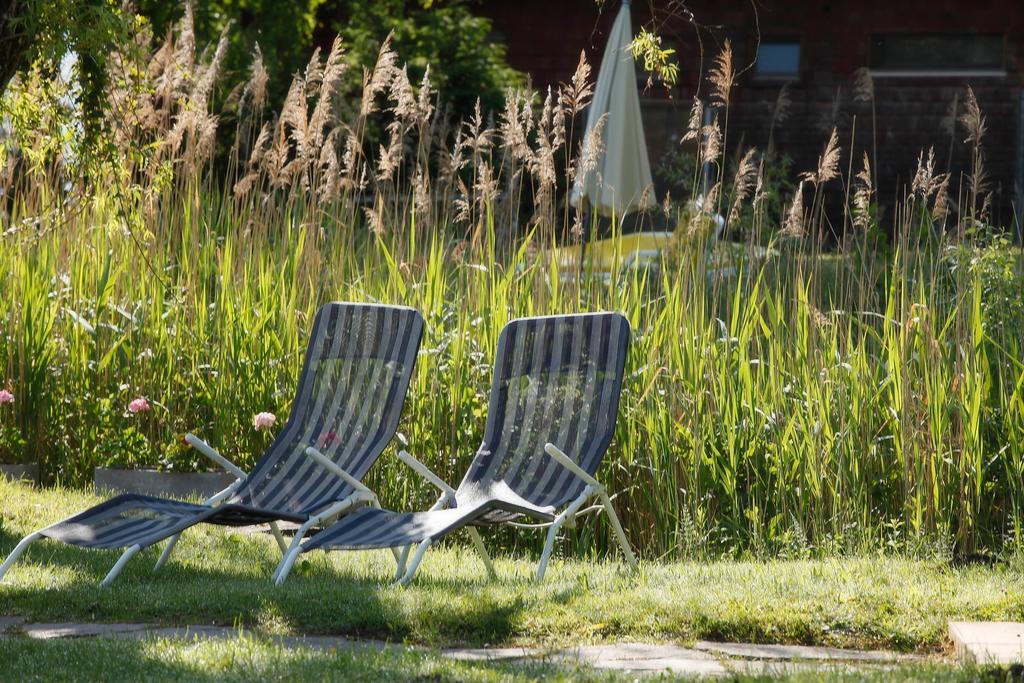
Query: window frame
{"points": [[778, 76], [936, 72]]}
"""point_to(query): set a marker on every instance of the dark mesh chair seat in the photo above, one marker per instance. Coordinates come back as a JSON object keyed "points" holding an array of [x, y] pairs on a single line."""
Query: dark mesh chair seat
{"points": [[355, 376], [556, 380]]}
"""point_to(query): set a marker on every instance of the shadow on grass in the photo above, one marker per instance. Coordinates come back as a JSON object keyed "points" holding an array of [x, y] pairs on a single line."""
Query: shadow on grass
{"points": [[243, 659], [318, 598]]}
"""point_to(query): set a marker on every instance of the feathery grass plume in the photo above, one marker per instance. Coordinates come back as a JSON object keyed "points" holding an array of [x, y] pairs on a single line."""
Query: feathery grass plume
{"points": [[925, 181], [828, 163], [592, 151], [743, 183], [712, 138], [424, 101], [479, 138], [185, 49], [292, 119], [542, 163], [405, 111], [940, 208], [421, 196], [972, 119], [390, 156], [760, 195], [703, 215], [485, 191], [207, 75], [463, 202], [693, 125], [722, 77], [975, 125], [576, 95], [314, 74], [453, 160], [374, 82], [862, 196], [162, 71], [405, 105], [646, 196], [375, 217], [323, 117], [515, 122], [783, 102], [294, 125], [194, 126], [331, 179], [255, 91], [576, 231], [863, 85], [794, 225]]}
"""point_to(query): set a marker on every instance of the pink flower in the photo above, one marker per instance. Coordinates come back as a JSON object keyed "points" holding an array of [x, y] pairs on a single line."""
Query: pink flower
{"points": [[327, 439], [262, 421], [6, 397], [139, 405]]}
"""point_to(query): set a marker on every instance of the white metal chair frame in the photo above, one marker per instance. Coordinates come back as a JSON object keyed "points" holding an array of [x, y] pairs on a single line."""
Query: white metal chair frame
{"points": [[361, 496], [572, 510]]}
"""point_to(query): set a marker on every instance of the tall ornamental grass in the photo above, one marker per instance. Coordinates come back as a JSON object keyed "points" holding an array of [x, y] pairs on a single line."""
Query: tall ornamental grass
{"points": [[796, 392]]}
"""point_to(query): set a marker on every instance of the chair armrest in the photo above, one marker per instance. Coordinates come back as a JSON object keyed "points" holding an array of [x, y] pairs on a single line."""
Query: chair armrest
{"points": [[425, 472], [211, 453], [568, 463], [335, 469]]}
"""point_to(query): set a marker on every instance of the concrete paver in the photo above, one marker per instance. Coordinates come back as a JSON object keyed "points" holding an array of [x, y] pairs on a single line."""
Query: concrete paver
{"points": [[7, 623], [644, 657], [71, 630], [798, 652], [988, 642]]}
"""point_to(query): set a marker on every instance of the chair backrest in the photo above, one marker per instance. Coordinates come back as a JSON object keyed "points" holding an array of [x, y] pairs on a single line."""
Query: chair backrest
{"points": [[353, 384], [556, 379]]}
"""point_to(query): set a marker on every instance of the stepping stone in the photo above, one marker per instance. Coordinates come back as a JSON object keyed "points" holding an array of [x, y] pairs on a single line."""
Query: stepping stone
{"points": [[988, 642], [645, 657], [49, 631], [491, 654], [8, 623], [798, 652], [620, 656]]}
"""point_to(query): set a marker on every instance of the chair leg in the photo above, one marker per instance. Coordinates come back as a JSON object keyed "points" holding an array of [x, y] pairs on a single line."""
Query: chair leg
{"points": [[116, 569], [479, 544], [561, 519], [166, 554], [549, 544], [619, 533], [279, 538], [18, 550], [416, 559], [403, 559], [290, 555]]}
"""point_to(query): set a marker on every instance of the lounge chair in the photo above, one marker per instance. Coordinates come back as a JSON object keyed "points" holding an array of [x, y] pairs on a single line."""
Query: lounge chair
{"points": [[353, 384], [551, 415]]}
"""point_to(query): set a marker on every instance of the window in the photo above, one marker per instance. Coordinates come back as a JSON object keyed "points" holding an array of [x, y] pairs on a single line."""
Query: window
{"points": [[778, 59], [940, 54]]}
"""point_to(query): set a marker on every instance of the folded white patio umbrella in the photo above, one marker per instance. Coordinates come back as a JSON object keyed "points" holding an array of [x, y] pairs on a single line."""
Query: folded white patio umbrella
{"points": [[621, 181]]}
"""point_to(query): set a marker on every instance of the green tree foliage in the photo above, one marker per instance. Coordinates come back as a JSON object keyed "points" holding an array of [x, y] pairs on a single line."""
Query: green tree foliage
{"points": [[465, 62], [43, 31], [283, 30]]}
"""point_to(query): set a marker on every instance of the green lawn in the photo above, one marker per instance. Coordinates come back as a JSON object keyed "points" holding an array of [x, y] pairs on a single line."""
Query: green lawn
{"points": [[220, 576]]}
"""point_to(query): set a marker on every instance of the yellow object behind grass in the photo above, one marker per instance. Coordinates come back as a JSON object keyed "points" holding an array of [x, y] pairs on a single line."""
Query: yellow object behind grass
{"points": [[632, 250]]}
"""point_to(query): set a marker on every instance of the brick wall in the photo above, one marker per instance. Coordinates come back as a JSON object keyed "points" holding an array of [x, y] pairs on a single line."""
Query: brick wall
{"points": [[544, 38]]}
